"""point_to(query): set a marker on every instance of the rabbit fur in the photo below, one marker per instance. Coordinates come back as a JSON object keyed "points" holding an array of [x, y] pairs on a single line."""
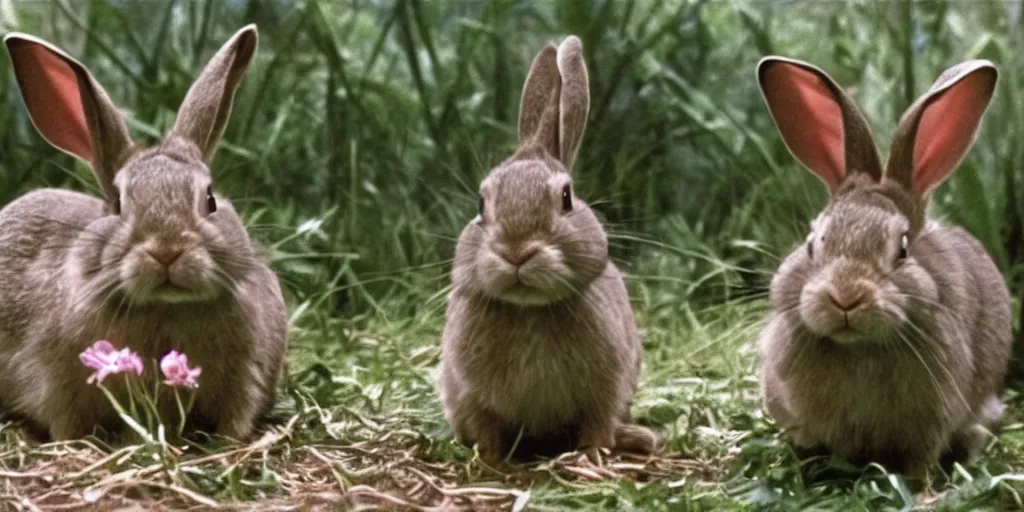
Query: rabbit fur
{"points": [[540, 343], [890, 335], [160, 263]]}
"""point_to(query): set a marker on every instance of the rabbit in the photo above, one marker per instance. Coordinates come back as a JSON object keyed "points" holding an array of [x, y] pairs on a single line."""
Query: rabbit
{"points": [[540, 339], [160, 263], [889, 335]]}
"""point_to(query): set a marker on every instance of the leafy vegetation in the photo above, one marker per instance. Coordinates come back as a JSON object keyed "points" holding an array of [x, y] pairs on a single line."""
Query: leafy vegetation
{"points": [[354, 151]]}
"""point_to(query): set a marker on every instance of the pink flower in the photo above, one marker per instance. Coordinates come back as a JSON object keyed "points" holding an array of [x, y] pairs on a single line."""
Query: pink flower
{"points": [[106, 360], [176, 370]]}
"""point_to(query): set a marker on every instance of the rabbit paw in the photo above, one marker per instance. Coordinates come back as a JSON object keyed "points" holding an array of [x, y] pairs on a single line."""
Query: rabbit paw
{"points": [[595, 439]]}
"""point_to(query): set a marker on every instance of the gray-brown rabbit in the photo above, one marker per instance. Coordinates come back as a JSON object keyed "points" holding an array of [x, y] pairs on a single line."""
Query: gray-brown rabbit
{"points": [[540, 337], [160, 263], [890, 335]]}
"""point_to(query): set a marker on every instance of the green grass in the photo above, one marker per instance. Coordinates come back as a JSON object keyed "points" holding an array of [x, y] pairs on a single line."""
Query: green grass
{"points": [[354, 151]]}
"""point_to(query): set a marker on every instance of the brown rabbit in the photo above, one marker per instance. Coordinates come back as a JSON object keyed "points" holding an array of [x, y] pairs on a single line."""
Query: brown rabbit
{"points": [[540, 338], [161, 263], [890, 336]]}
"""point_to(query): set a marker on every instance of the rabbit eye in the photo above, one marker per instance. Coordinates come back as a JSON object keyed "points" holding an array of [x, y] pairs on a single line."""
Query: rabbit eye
{"points": [[566, 199], [810, 249], [904, 243], [211, 202]]}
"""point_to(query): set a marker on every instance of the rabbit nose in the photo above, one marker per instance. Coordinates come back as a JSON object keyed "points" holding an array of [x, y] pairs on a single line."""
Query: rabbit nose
{"points": [[518, 258], [849, 302], [165, 257]]}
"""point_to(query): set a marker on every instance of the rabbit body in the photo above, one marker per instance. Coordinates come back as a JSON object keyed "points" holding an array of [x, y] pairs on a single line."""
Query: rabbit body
{"points": [[54, 312], [890, 335], [565, 373], [540, 349], [913, 394], [162, 263], [568, 380]]}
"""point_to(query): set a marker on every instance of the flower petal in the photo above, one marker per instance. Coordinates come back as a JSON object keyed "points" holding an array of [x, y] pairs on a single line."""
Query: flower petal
{"points": [[175, 368], [100, 354]]}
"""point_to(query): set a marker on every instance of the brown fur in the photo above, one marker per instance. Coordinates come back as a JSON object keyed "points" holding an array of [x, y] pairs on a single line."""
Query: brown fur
{"points": [[921, 374], [549, 351], [72, 271]]}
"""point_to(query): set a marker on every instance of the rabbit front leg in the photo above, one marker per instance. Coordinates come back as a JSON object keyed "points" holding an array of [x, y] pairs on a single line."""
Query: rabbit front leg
{"points": [[776, 400], [597, 432], [491, 435], [72, 410], [69, 425], [234, 405], [238, 424], [471, 420]]}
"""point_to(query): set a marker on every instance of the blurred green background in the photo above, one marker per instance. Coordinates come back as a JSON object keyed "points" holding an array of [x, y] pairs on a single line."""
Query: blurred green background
{"points": [[360, 135]]}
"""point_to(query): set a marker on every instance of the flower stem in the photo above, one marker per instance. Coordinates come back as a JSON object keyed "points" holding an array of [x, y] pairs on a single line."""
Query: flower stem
{"points": [[127, 418], [182, 414]]}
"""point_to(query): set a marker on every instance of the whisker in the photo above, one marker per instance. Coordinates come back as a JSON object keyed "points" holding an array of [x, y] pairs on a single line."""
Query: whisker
{"points": [[927, 301], [935, 357]]}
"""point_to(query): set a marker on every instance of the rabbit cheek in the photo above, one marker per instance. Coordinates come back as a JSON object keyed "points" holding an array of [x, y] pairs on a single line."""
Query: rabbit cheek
{"points": [[140, 275], [817, 313], [914, 284], [495, 274], [892, 308]]}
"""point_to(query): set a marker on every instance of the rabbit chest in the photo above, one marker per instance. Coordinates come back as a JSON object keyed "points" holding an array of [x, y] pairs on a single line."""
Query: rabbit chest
{"points": [[544, 366], [880, 400], [222, 348]]}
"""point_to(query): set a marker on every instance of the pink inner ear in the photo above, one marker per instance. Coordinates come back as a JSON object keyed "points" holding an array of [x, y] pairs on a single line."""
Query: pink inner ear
{"points": [[947, 129], [809, 119], [50, 88]]}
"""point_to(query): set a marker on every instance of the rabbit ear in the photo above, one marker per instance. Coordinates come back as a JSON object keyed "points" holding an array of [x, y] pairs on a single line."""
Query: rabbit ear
{"points": [[69, 108], [819, 123], [574, 101], [538, 108], [937, 131], [204, 112], [556, 101]]}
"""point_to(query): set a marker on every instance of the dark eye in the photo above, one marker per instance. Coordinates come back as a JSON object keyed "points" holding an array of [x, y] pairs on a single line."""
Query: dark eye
{"points": [[810, 249], [566, 199], [904, 243], [211, 202]]}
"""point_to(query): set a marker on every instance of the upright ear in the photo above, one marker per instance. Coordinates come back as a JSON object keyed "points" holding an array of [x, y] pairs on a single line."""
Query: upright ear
{"points": [[819, 123], [69, 108], [204, 112], [538, 107], [936, 132], [556, 101], [574, 102]]}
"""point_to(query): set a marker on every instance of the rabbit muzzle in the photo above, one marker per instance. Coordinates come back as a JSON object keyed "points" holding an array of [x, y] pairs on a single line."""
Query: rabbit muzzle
{"points": [[530, 273], [846, 303], [159, 270]]}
